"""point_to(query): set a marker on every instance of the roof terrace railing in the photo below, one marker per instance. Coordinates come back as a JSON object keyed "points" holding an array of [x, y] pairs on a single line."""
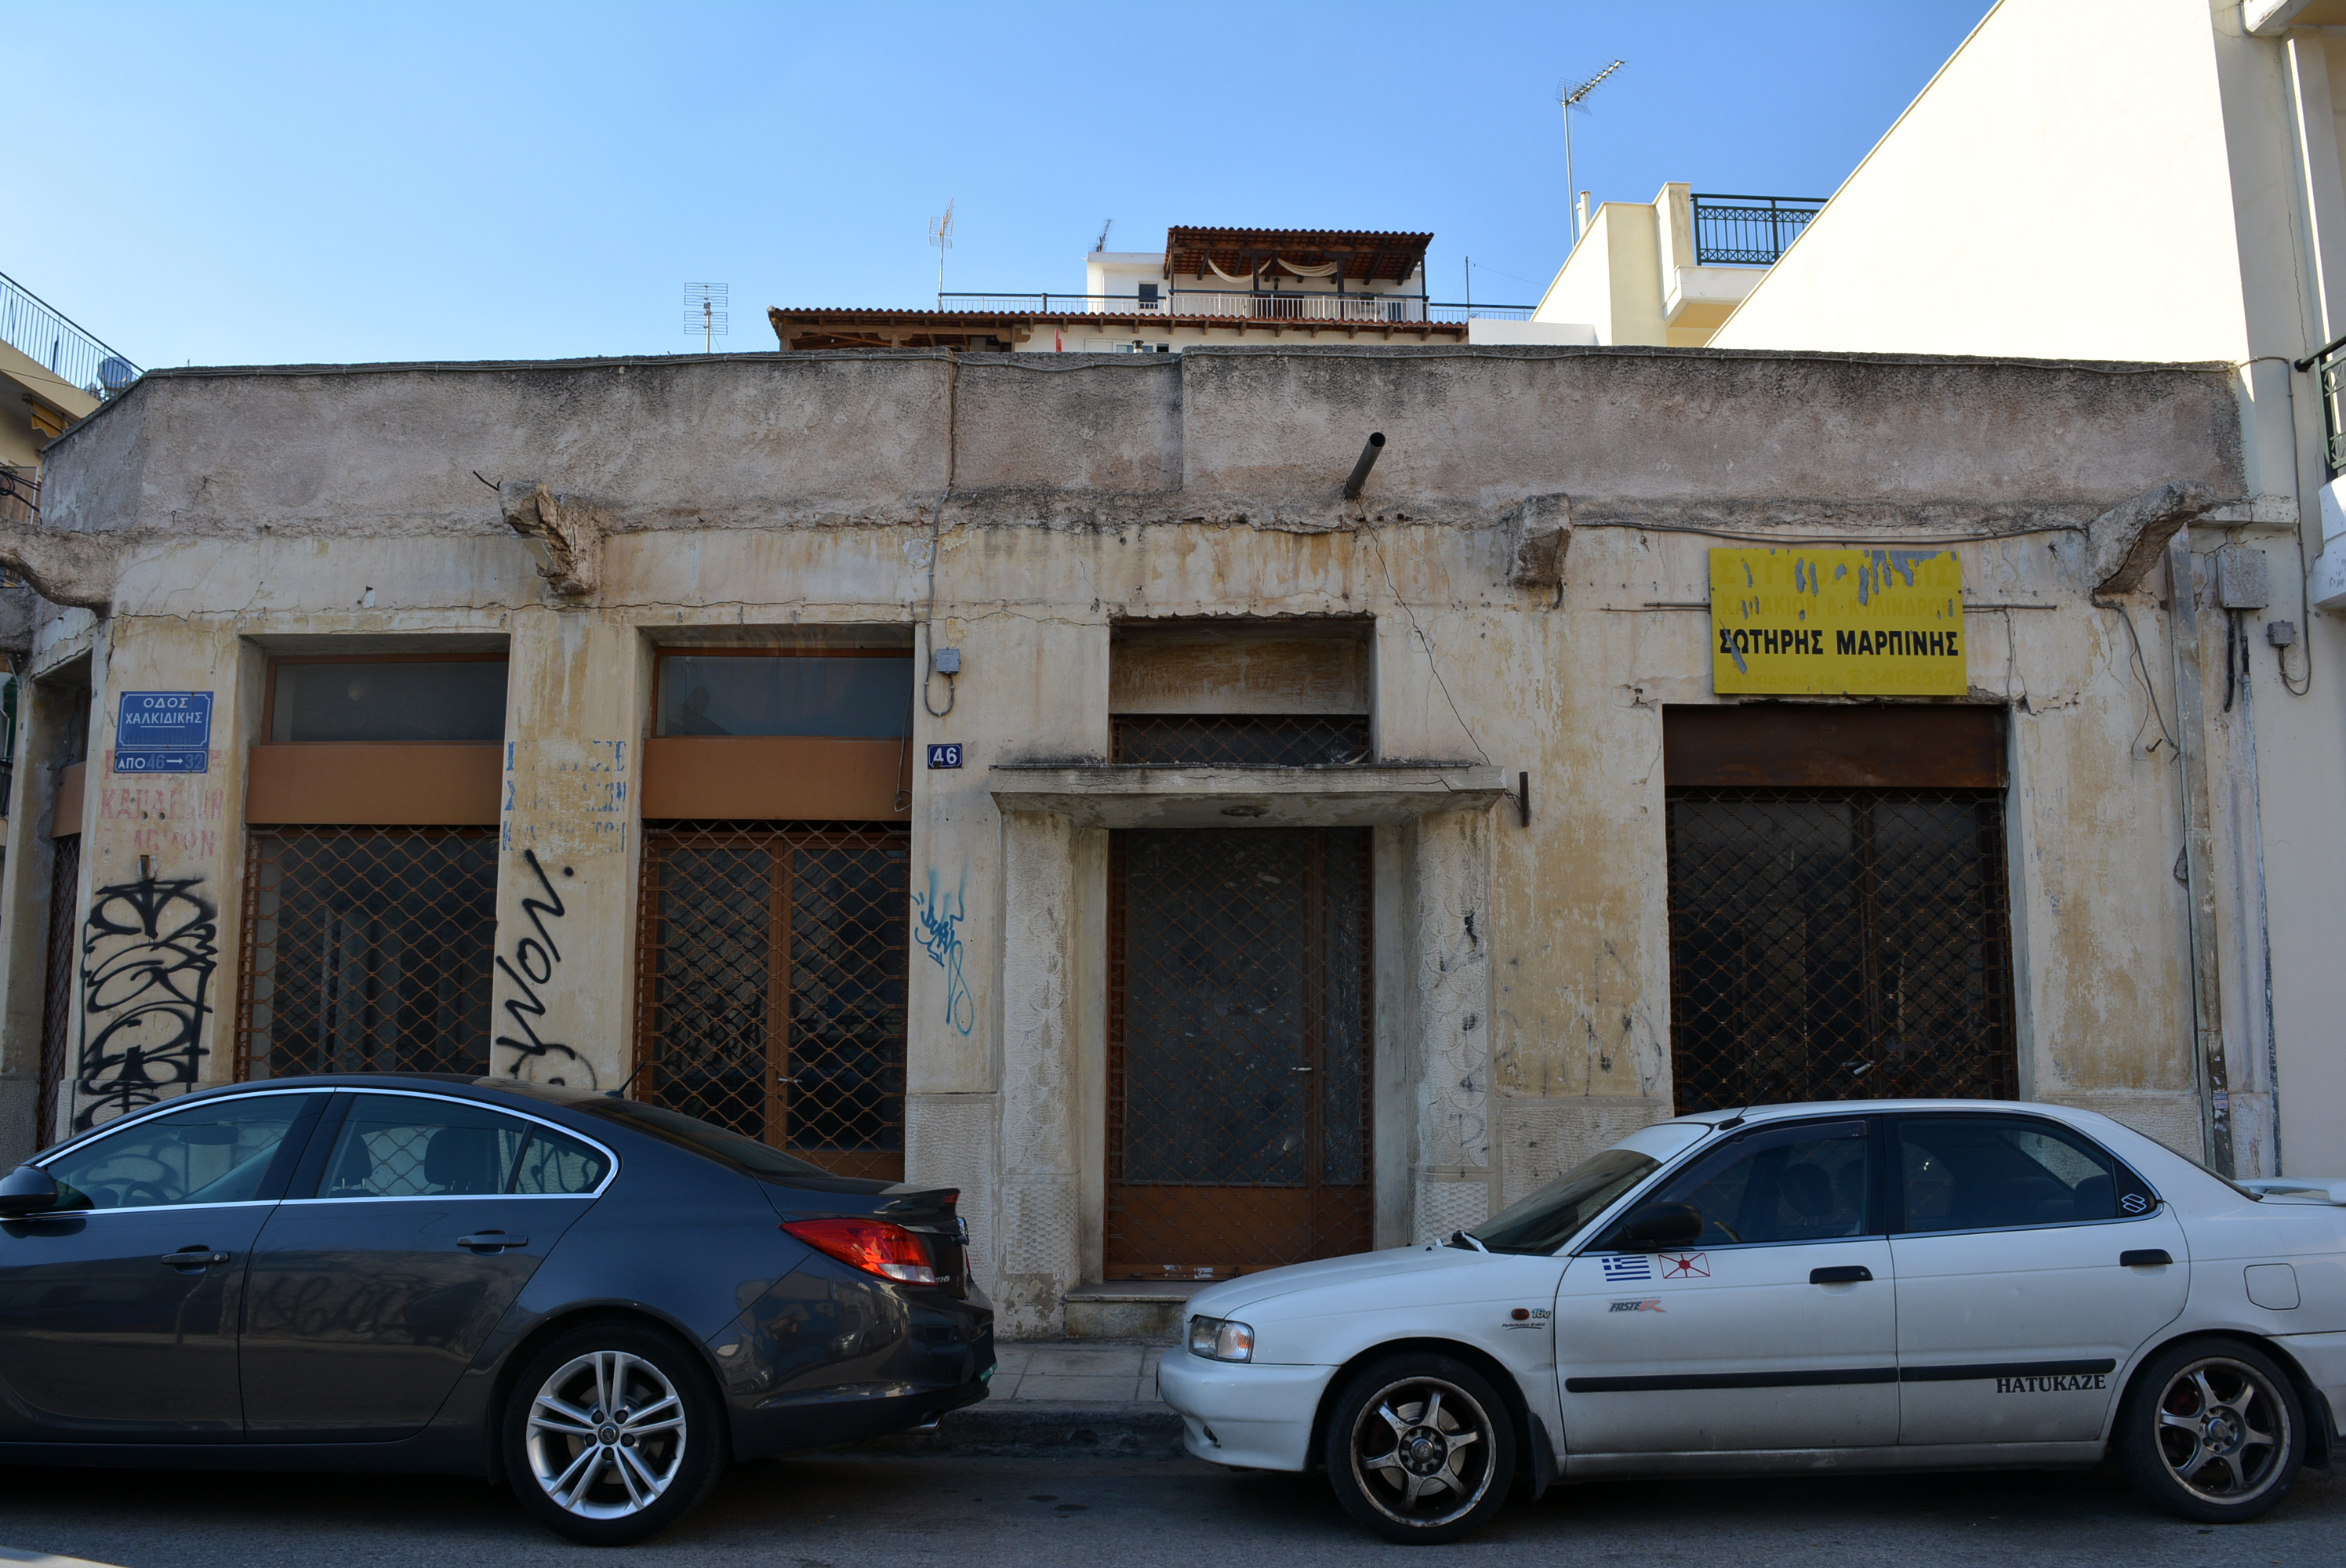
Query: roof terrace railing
{"points": [[1282, 305], [1749, 230], [73, 354], [1296, 305], [1436, 310], [1049, 304], [1226, 304]]}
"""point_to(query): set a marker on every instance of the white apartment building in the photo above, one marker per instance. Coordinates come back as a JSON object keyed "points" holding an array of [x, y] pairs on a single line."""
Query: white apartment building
{"points": [[2119, 180]]}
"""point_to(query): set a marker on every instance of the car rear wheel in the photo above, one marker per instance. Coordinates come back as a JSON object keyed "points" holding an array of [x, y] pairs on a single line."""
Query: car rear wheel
{"points": [[613, 1434], [1421, 1448], [2212, 1432]]}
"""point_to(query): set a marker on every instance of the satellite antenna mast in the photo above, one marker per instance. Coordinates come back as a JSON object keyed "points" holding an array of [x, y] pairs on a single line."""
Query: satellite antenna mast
{"points": [[1101, 243], [705, 312], [1569, 99], [940, 236]]}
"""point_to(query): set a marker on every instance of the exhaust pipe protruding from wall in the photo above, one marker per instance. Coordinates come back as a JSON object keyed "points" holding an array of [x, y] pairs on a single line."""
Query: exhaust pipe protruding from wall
{"points": [[1376, 443]]}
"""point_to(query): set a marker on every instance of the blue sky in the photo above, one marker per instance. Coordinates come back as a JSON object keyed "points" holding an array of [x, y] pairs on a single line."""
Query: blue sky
{"points": [[257, 183]]}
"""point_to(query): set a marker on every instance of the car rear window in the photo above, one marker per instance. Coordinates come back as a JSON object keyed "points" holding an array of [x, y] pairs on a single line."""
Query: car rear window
{"points": [[731, 1148]]}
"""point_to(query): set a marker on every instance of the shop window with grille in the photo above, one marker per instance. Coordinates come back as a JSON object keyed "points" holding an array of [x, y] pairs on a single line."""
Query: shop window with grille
{"points": [[837, 693], [1239, 1122], [772, 979], [1839, 940], [1243, 693], [366, 949]]}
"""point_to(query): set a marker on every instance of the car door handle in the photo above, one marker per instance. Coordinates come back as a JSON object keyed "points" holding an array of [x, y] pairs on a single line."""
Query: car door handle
{"points": [[2146, 1258], [1846, 1274], [194, 1257], [491, 1241]]}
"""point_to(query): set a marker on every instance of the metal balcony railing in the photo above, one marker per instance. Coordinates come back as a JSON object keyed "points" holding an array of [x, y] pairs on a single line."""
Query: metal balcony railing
{"points": [[41, 332], [1749, 230], [2328, 366]]}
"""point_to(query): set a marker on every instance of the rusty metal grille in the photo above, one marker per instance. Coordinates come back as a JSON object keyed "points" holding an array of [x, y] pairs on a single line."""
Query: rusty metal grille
{"points": [[1239, 1049], [57, 984], [366, 949], [736, 914], [1238, 741], [1833, 945]]}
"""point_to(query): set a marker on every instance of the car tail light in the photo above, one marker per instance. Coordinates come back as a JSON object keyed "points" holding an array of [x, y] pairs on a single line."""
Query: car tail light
{"points": [[873, 1246]]}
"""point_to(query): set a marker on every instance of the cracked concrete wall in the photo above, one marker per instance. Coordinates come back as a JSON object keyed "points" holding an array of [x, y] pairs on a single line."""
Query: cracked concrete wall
{"points": [[761, 494]]}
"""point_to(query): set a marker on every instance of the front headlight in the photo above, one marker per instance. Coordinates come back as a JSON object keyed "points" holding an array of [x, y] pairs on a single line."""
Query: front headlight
{"points": [[1220, 1340]]}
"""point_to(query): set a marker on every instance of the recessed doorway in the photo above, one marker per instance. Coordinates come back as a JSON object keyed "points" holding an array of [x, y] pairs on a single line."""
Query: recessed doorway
{"points": [[1239, 1125]]}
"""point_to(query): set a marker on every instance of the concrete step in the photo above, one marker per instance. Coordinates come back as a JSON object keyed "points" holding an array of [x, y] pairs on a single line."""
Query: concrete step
{"points": [[1150, 1310]]}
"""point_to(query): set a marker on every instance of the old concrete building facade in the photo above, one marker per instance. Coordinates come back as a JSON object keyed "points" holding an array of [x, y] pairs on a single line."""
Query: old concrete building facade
{"points": [[1033, 775]]}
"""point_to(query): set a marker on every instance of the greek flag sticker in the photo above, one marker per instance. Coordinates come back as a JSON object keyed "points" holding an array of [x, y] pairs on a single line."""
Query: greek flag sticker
{"points": [[1629, 1265]]}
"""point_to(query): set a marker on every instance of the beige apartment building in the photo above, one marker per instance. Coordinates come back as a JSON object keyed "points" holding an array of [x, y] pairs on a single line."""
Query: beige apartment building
{"points": [[1208, 285], [1038, 777], [53, 373]]}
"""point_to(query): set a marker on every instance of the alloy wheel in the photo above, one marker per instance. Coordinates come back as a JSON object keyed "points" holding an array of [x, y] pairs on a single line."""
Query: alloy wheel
{"points": [[1421, 1452], [2223, 1430], [607, 1435]]}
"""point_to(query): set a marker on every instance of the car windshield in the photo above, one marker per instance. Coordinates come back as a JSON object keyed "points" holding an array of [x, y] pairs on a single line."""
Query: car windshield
{"points": [[1550, 1216], [731, 1148]]}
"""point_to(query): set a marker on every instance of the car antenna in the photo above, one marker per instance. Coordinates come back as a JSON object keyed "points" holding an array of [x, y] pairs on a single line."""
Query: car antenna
{"points": [[621, 1092], [1734, 1121]]}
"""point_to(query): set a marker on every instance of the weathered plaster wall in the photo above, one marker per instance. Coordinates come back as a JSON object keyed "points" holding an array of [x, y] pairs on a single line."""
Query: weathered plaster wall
{"points": [[1523, 991]]}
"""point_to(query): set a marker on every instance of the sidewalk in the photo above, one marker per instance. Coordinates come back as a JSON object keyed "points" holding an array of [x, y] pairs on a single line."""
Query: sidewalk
{"points": [[1089, 1396]]}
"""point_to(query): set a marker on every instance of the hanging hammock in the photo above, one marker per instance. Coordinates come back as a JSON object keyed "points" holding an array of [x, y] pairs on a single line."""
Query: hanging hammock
{"points": [[1325, 269]]}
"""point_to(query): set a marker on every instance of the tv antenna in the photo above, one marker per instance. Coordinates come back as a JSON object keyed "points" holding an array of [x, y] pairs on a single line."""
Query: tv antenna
{"points": [[1101, 243], [940, 236], [1569, 99], [705, 312]]}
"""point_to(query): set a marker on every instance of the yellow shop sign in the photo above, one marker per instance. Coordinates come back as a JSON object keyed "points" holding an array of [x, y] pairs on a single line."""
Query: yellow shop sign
{"points": [[1836, 621]]}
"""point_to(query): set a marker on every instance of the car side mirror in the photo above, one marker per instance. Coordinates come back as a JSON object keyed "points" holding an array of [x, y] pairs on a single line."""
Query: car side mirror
{"points": [[28, 1189], [1659, 1225]]}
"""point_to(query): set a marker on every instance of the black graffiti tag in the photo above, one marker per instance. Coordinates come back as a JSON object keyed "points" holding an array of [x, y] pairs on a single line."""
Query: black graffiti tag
{"points": [[534, 959], [148, 956]]}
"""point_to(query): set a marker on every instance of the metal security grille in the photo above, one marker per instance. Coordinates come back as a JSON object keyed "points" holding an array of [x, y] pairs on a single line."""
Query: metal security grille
{"points": [[1238, 741], [1831, 944], [57, 984], [1239, 1049], [736, 914], [366, 949]]}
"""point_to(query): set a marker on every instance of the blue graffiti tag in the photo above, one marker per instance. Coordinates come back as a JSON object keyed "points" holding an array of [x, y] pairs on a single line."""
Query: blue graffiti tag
{"points": [[940, 937]]}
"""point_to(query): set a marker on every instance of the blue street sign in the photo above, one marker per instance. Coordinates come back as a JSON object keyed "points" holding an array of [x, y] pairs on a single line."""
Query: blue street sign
{"points": [[947, 756], [163, 732]]}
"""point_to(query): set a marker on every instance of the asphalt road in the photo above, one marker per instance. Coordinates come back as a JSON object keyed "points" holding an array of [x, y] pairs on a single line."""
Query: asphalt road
{"points": [[848, 1510]]}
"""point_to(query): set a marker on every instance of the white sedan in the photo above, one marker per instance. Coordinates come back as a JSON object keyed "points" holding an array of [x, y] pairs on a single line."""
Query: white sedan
{"points": [[1863, 1285]]}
